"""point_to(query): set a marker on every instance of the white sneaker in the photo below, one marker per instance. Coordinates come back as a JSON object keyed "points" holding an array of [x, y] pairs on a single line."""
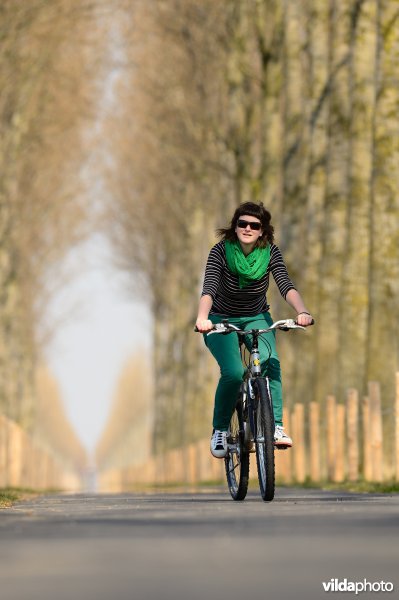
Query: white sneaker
{"points": [[219, 443], [281, 439]]}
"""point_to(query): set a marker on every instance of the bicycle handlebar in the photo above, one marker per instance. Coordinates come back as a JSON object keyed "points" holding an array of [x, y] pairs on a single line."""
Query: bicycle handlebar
{"points": [[225, 328]]}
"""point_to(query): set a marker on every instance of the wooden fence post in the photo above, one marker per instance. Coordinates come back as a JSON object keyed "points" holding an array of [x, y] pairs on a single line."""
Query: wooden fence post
{"points": [[149, 471], [14, 454], [314, 418], [173, 467], [205, 458], [160, 470], [283, 457], [299, 454], [3, 451], [339, 471], [331, 436], [397, 428], [218, 472], [376, 431], [293, 435], [192, 466], [367, 467], [353, 434], [287, 456]]}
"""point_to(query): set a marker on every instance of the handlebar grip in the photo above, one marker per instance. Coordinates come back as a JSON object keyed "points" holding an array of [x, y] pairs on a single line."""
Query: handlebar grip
{"points": [[312, 322], [204, 332]]}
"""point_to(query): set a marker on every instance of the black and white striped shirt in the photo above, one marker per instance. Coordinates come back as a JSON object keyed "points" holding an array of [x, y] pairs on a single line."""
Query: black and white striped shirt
{"points": [[228, 298]]}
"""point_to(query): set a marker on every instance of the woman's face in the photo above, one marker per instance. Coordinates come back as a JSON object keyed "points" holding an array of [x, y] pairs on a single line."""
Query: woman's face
{"points": [[248, 230]]}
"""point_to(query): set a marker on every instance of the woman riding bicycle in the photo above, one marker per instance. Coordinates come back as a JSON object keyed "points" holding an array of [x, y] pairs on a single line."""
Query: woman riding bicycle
{"points": [[235, 285]]}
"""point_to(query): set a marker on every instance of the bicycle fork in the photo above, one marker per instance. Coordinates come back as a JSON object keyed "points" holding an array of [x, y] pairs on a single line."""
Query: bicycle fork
{"points": [[249, 422]]}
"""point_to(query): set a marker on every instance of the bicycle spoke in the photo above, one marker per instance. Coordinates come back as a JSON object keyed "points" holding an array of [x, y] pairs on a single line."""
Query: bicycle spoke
{"points": [[237, 460], [234, 468]]}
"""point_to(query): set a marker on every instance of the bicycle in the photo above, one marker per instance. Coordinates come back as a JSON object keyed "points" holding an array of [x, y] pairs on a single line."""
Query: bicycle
{"points": [[251, 428]]}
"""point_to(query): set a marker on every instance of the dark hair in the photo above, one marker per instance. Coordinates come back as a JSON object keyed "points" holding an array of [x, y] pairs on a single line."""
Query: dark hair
{"points": [[252, 210]]}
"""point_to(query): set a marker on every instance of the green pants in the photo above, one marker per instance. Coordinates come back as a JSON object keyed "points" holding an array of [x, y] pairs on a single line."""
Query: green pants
{"points": [[226, 351]]}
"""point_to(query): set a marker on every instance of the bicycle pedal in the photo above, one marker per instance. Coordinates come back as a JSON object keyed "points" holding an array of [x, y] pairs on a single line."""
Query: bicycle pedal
{"points": [[281, 447]]}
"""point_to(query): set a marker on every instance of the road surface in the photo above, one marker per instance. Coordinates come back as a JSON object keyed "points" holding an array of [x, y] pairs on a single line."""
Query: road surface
{"points": [[176, 546]]}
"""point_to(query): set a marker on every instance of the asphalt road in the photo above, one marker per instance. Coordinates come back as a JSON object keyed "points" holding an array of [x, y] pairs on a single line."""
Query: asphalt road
{"points": [[197, 545]]}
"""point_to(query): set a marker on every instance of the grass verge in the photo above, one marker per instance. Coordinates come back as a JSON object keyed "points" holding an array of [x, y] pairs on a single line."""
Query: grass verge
{"points": [[364, 487], [360, 487], [8, 496]]}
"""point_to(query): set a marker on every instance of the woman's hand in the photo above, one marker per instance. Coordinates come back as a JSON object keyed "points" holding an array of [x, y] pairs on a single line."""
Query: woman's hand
{"points": [[305, 319], [294, 299], [203, 325]]}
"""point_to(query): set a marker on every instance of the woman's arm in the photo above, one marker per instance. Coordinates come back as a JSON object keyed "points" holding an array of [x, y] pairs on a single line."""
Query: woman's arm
{"points": [[213, 273], [202, 323], [294, 299]]}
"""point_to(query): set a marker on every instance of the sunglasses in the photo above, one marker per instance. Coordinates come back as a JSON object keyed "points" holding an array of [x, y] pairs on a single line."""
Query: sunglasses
{"points": [[242, 224]]}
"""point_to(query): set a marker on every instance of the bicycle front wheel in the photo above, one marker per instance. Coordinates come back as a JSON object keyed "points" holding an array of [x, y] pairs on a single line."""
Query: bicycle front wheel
{"points": [[237, 458], [264, 438]]}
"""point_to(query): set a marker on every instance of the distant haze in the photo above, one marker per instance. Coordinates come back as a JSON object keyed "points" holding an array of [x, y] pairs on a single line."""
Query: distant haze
{"points": [[102, 329]]}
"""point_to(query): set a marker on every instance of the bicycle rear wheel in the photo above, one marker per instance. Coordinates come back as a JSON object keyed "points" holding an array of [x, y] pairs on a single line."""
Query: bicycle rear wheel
{"points": [[237, 458], [264, 438]]}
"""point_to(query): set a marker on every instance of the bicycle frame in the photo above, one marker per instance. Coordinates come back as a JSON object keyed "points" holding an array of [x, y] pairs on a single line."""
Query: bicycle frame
{"points": [[251, 426], [253, 369]]}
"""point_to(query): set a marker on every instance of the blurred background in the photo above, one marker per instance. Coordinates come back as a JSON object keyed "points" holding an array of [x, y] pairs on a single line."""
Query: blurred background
{"points": [[130, 130]]}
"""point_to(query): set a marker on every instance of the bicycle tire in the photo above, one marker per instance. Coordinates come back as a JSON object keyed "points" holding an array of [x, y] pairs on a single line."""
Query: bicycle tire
{"points": [[264, 431], [237, 458]]}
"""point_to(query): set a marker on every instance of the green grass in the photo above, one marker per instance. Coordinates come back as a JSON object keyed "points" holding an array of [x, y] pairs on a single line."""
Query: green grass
{"points": [[176, 485], [368, 487], [8, 496], [364, 487]]}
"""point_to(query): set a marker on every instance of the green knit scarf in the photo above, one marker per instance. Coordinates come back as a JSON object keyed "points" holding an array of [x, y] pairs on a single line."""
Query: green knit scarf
{"points": [[248, 268]]}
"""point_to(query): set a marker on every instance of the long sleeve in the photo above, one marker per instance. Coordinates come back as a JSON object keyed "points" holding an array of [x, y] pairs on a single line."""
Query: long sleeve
{"points": [[213, 272], [280, 273]]}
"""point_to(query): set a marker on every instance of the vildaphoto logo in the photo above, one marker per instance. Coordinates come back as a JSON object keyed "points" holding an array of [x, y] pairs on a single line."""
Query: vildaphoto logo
{"points": [[343, 585]]}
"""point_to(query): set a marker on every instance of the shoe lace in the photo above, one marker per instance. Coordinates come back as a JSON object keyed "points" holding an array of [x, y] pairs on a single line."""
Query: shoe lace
{"points": [[219, 437]]}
